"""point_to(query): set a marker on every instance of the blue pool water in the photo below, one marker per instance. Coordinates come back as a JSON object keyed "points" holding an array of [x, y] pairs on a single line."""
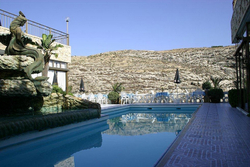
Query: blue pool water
{"points": [[136, 137]]}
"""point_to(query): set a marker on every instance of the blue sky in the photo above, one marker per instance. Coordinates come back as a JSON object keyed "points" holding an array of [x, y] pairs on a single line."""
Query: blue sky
{"points": [[98, 26]]}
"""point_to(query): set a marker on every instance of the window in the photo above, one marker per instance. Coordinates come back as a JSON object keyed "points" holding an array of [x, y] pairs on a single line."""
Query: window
{"points": [[57, 64], [63, 65], [50, 63]]}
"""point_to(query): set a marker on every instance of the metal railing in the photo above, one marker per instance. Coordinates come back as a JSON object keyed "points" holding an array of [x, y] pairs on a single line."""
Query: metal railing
{"points": [[34, 28]]}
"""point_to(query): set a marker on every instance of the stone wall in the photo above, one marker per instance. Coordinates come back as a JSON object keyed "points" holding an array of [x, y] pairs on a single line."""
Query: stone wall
{"points": [[240, 9], [144, 71], [64, 53]]}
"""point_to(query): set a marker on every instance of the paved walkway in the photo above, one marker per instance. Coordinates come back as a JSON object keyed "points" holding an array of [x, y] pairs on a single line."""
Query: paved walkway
{"points": [[217, 136]]}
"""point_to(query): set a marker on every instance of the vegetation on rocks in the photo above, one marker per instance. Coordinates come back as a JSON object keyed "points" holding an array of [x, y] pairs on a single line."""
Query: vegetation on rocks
{"points": [[57, 89], [143, 71]]}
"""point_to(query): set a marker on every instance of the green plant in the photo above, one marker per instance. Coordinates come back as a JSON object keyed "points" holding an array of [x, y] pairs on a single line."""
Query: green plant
{"points": [[233, 97], [57, 89], [215, 95], [70, 91], [47, 49], [216, 82], [206, 85], [71, 94], [113, 97], [117, 87]]}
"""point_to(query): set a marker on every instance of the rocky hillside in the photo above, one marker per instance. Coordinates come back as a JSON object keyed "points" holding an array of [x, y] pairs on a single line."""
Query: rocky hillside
{"points": [[143, 71]]}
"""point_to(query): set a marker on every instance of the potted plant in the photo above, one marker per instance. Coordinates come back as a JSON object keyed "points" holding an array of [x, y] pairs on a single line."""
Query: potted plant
{"points": [[216, 93], [113, 96], [206, 86]]}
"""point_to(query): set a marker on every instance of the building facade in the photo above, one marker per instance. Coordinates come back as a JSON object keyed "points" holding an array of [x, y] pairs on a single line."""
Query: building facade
{"points": [[34, 31], [240, 35]]}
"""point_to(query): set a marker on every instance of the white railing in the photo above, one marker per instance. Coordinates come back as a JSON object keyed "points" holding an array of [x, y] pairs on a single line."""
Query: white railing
{"points": [[97, 98], [165, 97], [162, 97]]}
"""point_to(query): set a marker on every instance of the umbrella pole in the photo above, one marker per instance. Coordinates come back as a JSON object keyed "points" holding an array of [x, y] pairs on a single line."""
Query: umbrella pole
{"points": [[177, 92]]}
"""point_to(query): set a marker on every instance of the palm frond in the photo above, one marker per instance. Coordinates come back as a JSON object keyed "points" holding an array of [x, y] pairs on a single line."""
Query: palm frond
{"points": [[216, 81], [46, 46], [57, 46], [44, 37]]}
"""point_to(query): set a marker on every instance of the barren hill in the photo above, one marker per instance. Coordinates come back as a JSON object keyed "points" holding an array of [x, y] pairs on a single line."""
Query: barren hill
{"points": [[143, 71]]}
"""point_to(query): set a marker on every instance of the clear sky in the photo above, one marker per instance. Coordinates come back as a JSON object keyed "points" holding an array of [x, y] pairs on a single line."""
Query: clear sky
{"points": [[98, 26]]}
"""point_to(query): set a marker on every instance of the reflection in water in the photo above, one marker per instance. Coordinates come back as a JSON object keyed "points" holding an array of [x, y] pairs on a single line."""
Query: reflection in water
{"points": [[131, 138], [55, 150], [145, 123], [69, 162]]}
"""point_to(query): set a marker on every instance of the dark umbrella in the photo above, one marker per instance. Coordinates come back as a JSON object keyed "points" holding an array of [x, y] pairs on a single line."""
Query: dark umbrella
{"points": [[177, 80], [55, 82], [177, 77], [82, 86]]}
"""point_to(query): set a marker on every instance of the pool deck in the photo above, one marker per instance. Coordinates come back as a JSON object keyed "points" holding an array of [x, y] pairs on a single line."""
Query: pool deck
{"points": [[217, 135]]}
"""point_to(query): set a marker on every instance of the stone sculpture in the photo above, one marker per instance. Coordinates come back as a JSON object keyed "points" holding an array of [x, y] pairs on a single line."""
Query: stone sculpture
{"points": [[16, 46], [17, 64]]}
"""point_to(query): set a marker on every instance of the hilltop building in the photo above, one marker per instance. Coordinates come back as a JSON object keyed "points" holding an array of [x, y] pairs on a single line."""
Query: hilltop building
{"points": [[240, 35], [35, 30]]}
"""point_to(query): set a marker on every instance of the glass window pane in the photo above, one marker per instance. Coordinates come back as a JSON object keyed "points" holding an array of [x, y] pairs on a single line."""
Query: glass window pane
{"points": [[50, 63], [63, 65]]}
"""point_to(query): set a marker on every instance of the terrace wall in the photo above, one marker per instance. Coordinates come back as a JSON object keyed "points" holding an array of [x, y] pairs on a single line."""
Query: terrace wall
{"points": [[64, 53]]}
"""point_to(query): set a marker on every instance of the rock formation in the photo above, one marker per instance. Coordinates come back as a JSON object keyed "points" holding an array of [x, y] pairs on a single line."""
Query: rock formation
{"points": [[57, 102], [18, 93], [143, 71]]}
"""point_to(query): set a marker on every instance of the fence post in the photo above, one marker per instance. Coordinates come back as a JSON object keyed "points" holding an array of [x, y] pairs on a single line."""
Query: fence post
{"points": [[26, 27], [67, 39]]}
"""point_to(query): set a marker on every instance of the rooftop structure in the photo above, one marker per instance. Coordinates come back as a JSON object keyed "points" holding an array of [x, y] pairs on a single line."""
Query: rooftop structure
{"points": [[34, 30]]}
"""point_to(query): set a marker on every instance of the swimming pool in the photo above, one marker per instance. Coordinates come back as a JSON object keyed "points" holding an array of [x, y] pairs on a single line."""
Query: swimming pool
{"points": [[130, 136]]}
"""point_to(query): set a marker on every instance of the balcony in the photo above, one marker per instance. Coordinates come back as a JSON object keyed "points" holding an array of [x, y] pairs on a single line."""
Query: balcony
{"points": [[34, 28]]}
